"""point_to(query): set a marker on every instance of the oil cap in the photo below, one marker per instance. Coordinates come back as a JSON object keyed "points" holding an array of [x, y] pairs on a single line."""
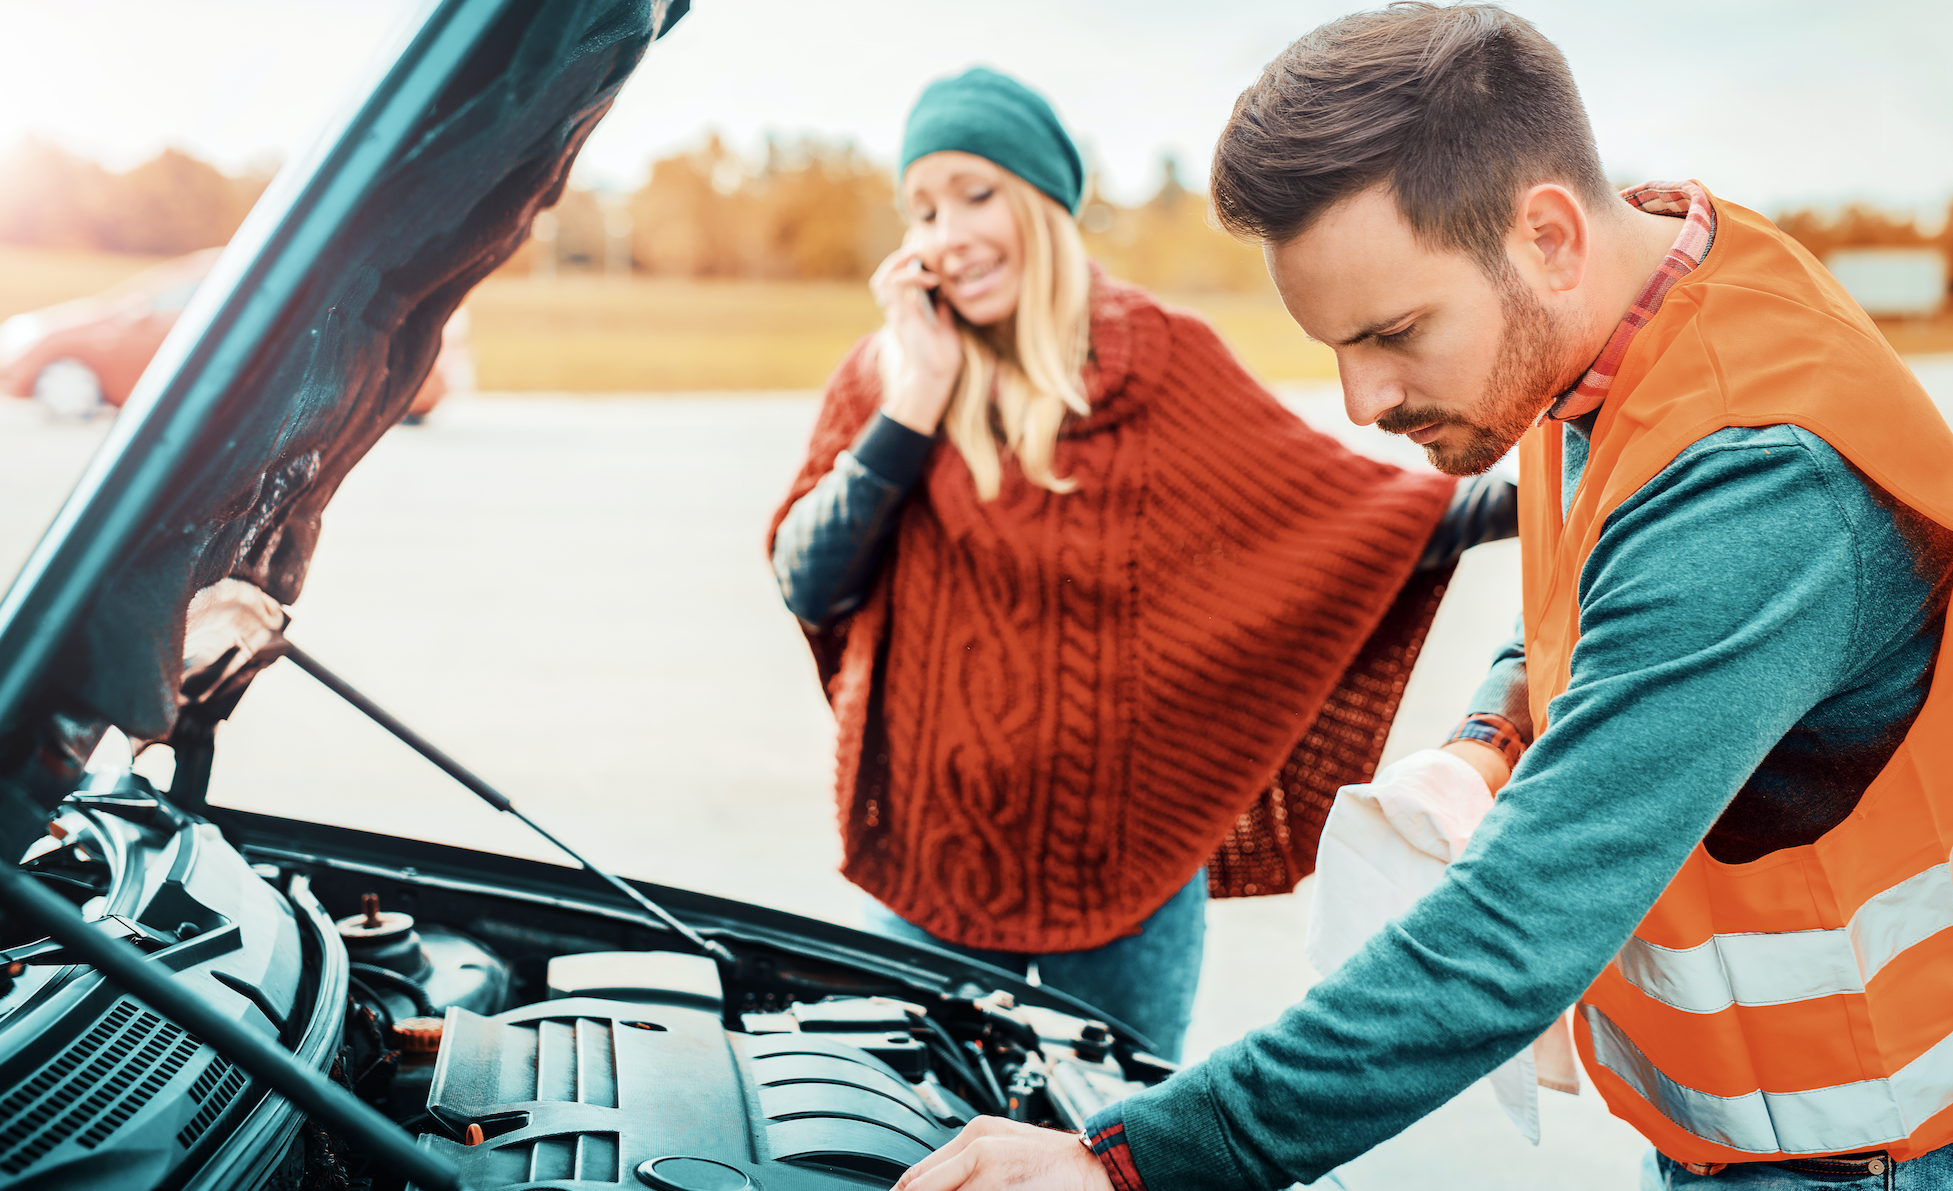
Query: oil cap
{"points": [[678, 1173], [418, 1034]]}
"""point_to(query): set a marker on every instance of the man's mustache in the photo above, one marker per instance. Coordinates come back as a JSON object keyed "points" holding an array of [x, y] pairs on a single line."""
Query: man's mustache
{"points": [[1400, 420]]}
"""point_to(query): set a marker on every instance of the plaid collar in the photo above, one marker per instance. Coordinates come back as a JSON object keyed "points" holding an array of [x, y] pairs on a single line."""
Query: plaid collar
{"points": [[1688, 202]]}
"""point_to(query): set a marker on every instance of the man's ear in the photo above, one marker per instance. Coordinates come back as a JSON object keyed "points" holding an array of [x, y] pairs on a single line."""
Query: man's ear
{"points": [[1551, 240]]}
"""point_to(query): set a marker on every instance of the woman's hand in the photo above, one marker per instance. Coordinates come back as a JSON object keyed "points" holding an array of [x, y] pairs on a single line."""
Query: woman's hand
{"points": [[924, 330]]}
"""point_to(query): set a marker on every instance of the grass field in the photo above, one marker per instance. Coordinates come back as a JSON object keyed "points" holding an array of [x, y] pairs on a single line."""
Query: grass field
{"points": [[582, 334], [587, 334], [34, 277]]}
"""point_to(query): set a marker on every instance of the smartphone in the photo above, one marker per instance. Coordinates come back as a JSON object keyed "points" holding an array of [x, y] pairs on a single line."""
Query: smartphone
{"points": [[925, 298]]}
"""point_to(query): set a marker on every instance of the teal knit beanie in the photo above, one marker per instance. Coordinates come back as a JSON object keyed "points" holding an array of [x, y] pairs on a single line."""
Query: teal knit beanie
{"points": [[999, 119]]}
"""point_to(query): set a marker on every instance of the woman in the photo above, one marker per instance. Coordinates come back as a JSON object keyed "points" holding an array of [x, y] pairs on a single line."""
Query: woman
{"points": [[1102, 623]]}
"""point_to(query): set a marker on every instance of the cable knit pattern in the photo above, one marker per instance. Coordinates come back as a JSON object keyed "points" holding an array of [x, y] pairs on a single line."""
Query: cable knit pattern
{"points": [[1054, 709]]}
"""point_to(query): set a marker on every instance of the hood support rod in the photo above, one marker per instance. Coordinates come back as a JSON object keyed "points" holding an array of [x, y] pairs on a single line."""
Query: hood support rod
{"points": [[658, 915]]}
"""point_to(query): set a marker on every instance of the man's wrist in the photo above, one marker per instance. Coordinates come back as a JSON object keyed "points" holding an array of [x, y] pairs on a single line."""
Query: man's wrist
{"points": [[1490, 744]]}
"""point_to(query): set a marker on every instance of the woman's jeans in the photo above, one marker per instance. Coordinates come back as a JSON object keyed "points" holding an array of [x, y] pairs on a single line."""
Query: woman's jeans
{"points": [[1146, 980], [1928, 1171]]}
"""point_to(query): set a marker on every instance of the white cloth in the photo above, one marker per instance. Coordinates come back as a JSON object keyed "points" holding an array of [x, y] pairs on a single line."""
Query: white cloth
{"points": [[1385, 845]]}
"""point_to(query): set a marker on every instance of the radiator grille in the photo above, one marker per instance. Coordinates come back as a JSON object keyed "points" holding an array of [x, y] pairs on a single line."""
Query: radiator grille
{"points": [[93, 1087]]}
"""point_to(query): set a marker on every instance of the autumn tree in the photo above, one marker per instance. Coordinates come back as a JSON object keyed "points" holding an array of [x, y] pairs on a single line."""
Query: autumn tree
{"points": [[1168, 243], [52, 198], [693, 217], [825, 211], [169, 205]]}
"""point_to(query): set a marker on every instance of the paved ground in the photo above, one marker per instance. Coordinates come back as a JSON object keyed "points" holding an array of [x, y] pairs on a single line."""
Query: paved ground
{"points": [[570, 595]]}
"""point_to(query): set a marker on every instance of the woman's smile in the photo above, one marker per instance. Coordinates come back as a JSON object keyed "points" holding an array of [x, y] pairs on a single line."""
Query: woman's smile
{"points": [[974, 281]]}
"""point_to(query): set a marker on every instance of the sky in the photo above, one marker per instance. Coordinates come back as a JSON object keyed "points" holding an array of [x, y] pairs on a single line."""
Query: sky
{"points": [[1774, 103]]}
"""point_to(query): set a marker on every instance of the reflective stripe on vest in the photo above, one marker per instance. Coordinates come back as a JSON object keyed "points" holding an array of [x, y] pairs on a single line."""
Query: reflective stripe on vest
{"points": [[1853, 1116], [1775, 968]]}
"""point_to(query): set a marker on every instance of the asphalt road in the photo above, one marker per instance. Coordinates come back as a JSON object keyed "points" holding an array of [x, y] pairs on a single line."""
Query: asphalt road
{"points": [[570, 595]]}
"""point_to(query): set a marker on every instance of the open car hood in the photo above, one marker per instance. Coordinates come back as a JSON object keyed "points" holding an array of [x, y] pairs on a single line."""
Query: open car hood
{"points": [[307, 342]]}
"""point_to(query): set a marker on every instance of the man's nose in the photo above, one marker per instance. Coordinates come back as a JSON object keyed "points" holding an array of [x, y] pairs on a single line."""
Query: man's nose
{"points": [[1369, 392]]}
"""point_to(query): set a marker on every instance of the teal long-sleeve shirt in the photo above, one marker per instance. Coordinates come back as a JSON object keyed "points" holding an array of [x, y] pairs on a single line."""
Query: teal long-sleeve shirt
{"points": [[1756, 621]]}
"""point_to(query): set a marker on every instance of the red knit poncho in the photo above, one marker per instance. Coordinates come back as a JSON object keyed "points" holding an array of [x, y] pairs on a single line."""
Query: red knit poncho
{"points": [[1053, 709]]}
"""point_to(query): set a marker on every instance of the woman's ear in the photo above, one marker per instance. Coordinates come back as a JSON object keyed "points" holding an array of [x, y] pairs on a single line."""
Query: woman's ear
{"points": [[1551, 240]]}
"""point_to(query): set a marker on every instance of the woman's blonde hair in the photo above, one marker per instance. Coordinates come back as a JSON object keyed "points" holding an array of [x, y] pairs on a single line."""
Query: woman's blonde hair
{"points": [[1020, 377]]}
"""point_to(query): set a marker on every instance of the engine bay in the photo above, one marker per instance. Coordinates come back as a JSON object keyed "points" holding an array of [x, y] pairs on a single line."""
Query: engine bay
{"points": [[525, 1029]]}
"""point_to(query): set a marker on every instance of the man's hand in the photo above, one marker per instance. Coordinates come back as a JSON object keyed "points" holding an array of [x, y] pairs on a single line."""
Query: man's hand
{"points": [[993, 1154], [1489, 761]]}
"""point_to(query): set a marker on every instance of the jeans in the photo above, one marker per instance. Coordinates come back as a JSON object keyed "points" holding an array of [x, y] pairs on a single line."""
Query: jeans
{"points": [[1927, 1172], [1146, 980]]}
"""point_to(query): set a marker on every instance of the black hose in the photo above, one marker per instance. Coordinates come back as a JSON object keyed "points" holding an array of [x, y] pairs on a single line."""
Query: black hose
{"points": [[944, 1048], [375, 1004], [990, 1077], [403, 984]]}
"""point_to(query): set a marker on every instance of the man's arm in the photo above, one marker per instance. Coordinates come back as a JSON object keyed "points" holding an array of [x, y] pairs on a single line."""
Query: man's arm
{"points": [[1718, 609]]}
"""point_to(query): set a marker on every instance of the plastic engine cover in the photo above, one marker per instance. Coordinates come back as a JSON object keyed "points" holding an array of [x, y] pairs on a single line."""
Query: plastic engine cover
{"points": [[591, 1093]]}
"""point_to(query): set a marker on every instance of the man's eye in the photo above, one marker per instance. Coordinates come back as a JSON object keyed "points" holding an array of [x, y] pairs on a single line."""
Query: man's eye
{"points": [[1397, 338]]}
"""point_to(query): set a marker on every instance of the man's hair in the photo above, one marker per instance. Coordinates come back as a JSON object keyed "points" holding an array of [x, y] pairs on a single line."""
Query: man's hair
{"points": [[1457, 110]]}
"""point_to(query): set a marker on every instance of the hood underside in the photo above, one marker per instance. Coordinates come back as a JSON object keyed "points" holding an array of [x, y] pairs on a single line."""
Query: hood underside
{"points": [[308, 341]]}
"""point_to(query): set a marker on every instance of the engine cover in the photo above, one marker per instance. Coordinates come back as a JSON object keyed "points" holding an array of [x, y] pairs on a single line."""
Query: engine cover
{"points": [[592, 1093]]}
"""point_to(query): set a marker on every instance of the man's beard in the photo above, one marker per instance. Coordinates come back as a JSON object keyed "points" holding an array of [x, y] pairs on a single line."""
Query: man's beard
{"points": [[1529, 372]]}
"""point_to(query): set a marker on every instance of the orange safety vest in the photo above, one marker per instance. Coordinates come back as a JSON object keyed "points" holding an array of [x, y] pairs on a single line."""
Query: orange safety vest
{"points": [[1800, 1004]]}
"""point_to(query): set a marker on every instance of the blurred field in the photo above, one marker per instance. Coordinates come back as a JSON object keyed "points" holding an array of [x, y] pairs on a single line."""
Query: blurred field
{"points": [[34, 277], [584, 333], [592, 335]]}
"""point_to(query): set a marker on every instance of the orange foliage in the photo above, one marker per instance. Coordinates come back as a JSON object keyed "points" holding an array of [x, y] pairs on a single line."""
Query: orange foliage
{"points": [[1860, 226], [169, 205], [1168, 244], [809, 210], [815, 210], [691, 218]]}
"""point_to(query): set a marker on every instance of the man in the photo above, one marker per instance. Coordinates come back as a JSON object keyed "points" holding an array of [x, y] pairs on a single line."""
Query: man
{"points": [[1729, 840]]}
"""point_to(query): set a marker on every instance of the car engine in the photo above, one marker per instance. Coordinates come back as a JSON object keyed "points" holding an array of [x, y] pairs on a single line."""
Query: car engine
{"points": [[506, 1027]]}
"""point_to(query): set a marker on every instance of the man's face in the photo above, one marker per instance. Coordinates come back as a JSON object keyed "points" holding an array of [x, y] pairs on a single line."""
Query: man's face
{"points": [[1427, 345]]}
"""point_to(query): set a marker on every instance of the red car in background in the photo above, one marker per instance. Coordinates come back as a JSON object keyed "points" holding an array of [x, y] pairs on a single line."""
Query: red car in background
{"points": [[80, 357]]}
